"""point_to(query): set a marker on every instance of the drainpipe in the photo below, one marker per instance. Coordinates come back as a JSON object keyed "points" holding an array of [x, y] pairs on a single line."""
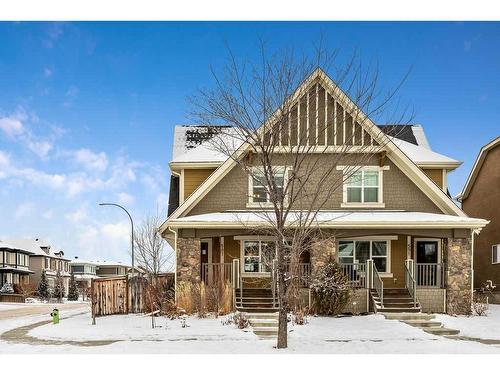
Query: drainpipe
{"points": [[175, 265]]}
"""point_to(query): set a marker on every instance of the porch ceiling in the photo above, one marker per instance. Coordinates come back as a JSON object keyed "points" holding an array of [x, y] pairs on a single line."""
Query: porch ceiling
{"points": [[332, 219]]}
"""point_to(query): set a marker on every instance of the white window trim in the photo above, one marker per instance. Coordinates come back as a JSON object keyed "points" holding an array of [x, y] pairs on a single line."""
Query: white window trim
{"points": [[380, 199], [426, 240], [498, 254], [251, 203], [387, 240], [242, 254]]}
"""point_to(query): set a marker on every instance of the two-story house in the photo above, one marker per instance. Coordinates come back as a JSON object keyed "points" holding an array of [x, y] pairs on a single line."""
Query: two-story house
{"points": [[14, 265], [44, 257], [396, 227], [84, 272], [481, 198]]}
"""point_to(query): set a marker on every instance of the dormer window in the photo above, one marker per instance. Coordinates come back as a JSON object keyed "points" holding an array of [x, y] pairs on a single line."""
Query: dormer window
{"points": [[363, 186], [257, 186]]}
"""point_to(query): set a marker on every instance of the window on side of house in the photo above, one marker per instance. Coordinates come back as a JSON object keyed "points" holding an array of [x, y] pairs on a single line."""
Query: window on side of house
{"points": [[359, 251], [495, 254], [258, 256], [258, 187]]}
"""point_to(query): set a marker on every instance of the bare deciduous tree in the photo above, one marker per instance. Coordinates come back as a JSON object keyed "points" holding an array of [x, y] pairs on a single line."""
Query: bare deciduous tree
{"points": [[152, 253], [292, 130]]}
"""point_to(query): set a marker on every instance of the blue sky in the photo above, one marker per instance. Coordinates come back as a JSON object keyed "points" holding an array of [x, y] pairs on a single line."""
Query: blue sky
{"points": [[87, 109]]}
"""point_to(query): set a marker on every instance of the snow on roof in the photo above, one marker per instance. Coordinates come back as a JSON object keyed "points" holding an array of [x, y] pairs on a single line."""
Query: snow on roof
{"points": [[35, 246], [199, 149], [422, 155], [11, 246], [99, 263], [189, 148], [335, 219]]}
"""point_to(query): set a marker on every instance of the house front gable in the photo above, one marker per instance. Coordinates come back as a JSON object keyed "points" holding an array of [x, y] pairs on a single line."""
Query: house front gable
{"points": [[336, 123]]}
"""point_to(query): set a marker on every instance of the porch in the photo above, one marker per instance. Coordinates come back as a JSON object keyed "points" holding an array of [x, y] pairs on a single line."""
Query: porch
{"points": [[413, 264]]}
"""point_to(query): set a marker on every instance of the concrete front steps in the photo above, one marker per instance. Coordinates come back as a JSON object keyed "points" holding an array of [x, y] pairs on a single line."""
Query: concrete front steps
{"points": [[395, 301], [260, 309], [423, 321], [264, 325]]}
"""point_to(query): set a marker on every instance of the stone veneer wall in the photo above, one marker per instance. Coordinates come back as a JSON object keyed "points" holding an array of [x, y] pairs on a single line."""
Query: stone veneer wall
{"points": [[358, 304], [188, 260], [432, 300], [321, 253], [458, 258]]}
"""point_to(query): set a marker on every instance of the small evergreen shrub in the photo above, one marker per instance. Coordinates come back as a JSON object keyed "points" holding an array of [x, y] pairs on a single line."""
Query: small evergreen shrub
{"points": [[43, 287], [72, 289], [330, 290]]}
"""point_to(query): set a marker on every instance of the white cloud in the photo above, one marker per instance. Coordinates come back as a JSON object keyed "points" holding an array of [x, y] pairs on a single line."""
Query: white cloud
{"points": [[11, 126], [77, 216], [71, 95], [124, 198], [23, 210], [91, 160]]}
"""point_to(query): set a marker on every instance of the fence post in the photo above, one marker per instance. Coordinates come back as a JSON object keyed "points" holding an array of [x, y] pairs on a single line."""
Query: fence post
{"points": [[92, 301]]}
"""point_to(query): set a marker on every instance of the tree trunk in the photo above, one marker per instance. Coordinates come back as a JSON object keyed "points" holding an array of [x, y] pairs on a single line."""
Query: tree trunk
{"points": [[282, 317]]}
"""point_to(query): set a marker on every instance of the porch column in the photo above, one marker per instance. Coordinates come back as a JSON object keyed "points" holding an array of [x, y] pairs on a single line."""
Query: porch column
{"points": [[188, 259], [322, 253], [458, 258]]}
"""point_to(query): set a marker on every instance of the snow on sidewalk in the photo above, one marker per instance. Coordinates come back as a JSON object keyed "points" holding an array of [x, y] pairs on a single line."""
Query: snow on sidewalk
{"points": [[483, 327]]}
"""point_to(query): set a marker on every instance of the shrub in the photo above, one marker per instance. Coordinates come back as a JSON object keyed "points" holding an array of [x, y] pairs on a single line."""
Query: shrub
{"points": [[480, 303], [330, 290], [197, 298], [239, 319], [299, 317], [7, 288]]}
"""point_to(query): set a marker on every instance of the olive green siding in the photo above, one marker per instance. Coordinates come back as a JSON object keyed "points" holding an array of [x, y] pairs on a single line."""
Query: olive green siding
{"points": [[399, 192]]}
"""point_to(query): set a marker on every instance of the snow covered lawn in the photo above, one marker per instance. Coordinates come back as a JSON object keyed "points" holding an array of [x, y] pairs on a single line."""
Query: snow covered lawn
{"points": [[483, 327], [4, 306], [133, 334]]}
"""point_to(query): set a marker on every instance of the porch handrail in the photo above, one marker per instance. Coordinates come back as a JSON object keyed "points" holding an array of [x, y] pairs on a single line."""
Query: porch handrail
{"points": [[429, 274], [410, 282], [274, 280], [378, 284], [355, 273], [236, 278], [303, 271]]}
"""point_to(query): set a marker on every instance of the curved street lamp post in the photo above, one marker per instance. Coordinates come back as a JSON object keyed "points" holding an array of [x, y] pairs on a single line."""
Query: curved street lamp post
{"points": [[132, 225]]}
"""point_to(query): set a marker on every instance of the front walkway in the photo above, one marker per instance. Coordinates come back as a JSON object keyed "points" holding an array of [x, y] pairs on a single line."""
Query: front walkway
{"points": [[133, 334]]}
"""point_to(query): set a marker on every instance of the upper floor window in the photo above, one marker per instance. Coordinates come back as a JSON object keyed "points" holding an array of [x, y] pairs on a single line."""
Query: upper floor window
{"points": [[363, 186], [495, 254], [77, 268], [258, 187]]}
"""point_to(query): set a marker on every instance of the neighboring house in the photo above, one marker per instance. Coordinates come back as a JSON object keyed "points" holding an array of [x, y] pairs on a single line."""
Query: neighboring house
{"points": [[411, 222], [109, 269], [84, 271], [14, 264], [44, 257], [481, 198]]}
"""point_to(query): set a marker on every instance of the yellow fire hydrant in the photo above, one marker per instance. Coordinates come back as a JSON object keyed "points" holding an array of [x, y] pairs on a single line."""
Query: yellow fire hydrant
{"points": [[55, 316]]}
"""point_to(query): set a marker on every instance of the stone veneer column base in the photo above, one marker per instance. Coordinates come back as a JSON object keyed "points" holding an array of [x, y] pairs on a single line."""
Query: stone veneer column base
{"points": [[188, 260], [322, 252], [458, 258]]}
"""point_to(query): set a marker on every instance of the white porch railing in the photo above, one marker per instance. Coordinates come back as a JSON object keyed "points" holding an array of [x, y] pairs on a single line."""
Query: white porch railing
{"points": [[429, 275], [236, 279], [376, 281], [355, 273], [410, 282]]}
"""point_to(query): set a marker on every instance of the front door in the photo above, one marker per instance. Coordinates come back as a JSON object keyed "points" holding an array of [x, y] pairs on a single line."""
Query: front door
{"points": [[428, 269]]}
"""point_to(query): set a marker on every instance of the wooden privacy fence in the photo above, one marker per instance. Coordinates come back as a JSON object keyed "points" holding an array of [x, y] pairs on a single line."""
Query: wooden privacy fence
{"points": [[123, 294]]}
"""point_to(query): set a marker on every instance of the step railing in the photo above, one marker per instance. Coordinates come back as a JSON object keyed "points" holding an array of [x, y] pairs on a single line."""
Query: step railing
{"points": [[355, 273], [236, 280], [274, 281], [376, 281], [429, 275], [410, 282]]}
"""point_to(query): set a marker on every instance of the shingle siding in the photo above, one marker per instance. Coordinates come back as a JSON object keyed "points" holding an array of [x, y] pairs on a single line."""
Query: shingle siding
{"points": [[400, 193]]}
